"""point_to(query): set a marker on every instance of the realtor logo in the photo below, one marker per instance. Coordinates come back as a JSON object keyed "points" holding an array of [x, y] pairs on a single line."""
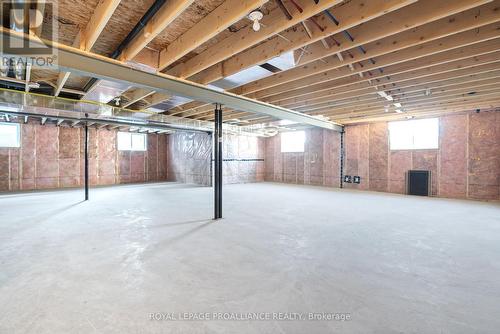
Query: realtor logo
{"points": [[31, 18]]}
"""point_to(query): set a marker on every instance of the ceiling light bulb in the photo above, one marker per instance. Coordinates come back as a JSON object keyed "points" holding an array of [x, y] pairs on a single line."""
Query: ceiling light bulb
{"points": [[256, 25], [256, 16]]}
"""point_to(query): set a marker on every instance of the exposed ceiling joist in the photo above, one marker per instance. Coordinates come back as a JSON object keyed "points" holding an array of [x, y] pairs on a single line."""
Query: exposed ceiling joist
{"points": [[427, 113], [462, 45], [375, 33], [405, 100], [166, 15], [435, 76], [465, 39], [368, 94], [416, 106], [350, 14], [400, 38], [87, 36], [157, 98], [393, 64], [61, 80], [399, 74], [97, 23], [272, 24], [417, 14], [483, 70], [134, 95], [428, 81], [75, 60], [228, 13]]}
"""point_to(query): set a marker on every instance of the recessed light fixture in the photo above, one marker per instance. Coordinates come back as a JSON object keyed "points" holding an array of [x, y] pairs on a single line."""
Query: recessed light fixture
{"points": [[397, 105], [256, 16], [399, 111]]}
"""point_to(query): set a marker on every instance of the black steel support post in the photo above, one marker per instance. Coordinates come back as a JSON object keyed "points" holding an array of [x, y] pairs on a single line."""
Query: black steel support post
{"points": [[86, 145], [342, 158], [218, 162]]}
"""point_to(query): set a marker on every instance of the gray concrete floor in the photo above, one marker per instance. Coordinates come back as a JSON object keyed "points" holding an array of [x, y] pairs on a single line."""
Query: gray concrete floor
{"points": [[396, 264]]}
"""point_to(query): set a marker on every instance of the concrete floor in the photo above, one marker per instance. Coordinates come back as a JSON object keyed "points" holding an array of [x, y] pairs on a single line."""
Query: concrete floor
{"points": [[396, 264]]}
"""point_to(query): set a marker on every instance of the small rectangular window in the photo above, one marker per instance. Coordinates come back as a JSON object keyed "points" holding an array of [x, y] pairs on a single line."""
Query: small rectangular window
{"points": [[293, 141], [414, 135], [128, 141], [10, 135]]}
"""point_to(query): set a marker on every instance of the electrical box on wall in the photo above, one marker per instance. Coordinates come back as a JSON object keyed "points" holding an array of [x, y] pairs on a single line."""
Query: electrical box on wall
{"points": [[347, 179]]}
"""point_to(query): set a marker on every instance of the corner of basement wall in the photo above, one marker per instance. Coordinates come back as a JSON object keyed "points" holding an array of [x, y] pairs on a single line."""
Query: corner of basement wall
{"points": [[465, 166], [190, 158]]}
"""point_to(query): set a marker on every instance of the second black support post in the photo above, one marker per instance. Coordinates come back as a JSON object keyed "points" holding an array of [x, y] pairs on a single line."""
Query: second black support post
{"points": [[218, 162], [86, 146]]}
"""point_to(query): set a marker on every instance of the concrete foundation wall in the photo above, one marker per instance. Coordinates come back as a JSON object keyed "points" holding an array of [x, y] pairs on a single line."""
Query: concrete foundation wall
{"points": [[190, 157], [319, 164], [53, 157], [466, 165]]}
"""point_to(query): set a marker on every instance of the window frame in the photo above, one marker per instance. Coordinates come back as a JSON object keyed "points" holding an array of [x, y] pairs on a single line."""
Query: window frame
{"points": [[130, 146], [303, 144], [18, 132], [412, 130]]}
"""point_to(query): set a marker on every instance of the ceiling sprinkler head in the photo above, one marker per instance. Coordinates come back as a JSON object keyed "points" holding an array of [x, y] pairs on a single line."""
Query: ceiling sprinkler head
{"points": [[256, 16]]}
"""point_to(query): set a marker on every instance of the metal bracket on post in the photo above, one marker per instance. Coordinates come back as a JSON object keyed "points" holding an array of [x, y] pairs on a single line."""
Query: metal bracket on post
{"points": [[86, 146], [218, 162]]}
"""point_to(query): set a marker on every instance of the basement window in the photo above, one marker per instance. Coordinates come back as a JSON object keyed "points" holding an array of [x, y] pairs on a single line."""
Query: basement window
{"points": [[10, 135], [128, 141], [293, 141], [414, 135]]}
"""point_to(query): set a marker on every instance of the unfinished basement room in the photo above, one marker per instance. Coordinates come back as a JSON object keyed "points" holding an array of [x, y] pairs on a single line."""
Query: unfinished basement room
{"points": [[262, 167]]}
